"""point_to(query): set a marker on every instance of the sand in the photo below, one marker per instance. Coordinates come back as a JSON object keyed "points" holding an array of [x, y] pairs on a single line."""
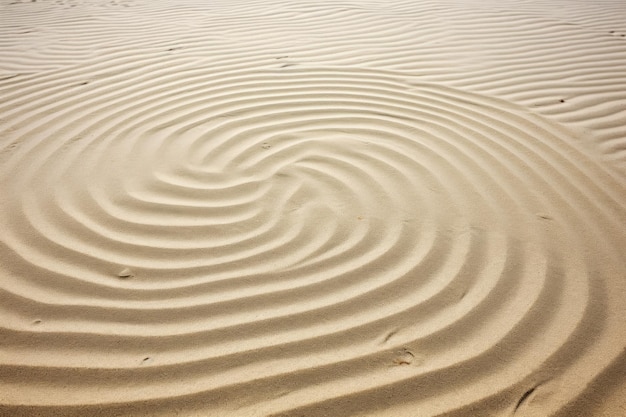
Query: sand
{"points": [[312, 208]]}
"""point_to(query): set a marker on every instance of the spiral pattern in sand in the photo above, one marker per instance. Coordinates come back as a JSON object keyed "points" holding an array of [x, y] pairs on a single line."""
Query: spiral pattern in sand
{"points": [[297, 241]]}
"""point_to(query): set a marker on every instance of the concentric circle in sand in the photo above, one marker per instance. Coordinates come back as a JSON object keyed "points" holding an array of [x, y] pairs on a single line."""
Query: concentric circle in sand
{"points": [[297, 241]]}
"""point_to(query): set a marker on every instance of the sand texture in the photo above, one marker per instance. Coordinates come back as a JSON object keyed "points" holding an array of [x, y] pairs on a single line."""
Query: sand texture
{"points": [[312, 208]]}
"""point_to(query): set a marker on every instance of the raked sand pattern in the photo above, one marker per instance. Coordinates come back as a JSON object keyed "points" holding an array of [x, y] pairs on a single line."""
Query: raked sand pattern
{"points": [[312, 209]]}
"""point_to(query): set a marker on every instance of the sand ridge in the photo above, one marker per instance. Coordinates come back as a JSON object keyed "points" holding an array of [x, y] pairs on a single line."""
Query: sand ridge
{"points": [[231, 209]]}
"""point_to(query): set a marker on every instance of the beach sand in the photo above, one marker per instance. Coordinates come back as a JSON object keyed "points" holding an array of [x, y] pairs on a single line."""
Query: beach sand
{"points": [[312, 208]]}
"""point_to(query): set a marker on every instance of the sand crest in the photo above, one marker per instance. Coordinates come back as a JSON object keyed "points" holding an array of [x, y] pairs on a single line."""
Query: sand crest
{"points": [[293, 208]]}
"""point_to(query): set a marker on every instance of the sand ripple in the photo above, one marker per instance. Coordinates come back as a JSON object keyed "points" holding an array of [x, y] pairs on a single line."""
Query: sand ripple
{"points": [[289, 241]]}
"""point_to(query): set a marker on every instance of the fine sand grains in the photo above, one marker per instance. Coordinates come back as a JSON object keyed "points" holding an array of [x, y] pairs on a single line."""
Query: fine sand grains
{"points": [[299, 208]]}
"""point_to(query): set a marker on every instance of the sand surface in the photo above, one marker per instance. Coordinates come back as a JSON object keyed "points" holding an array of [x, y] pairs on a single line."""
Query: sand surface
{"points": [[312, 208]]}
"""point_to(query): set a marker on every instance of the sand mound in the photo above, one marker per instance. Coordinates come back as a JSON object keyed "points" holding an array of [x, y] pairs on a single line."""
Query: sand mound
{"points": [[291, 208]]}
